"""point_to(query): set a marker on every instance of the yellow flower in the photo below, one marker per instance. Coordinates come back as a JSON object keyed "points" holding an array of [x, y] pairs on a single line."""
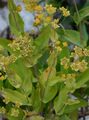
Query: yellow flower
{"points": [[86, 52], [59, 49], [19, 8], [50, 9], [64, 11], [65, 62], [57, 43], [75, 66], [78, 51], [69, 76], [79, 66], [14, 112], [2, 110], [37, 22], [55, 23], [39, 16], [25, 1], [65, 44], [2, 77], [28, 7], [38, 8], [48, 19], [22, 46], [83, 66]]}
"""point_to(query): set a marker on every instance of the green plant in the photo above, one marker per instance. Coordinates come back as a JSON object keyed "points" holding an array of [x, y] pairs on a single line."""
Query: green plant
{"points": [[41, 77]]}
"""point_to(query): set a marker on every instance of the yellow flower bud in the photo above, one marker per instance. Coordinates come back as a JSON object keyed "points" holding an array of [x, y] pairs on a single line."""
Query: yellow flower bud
{"points": [[38, 8], [86, 52], [48, 19], [59, 49], [64, 11], [2, 77], [65, 44], [50, 9], [37, 22], [19, 8], [55, 23]]}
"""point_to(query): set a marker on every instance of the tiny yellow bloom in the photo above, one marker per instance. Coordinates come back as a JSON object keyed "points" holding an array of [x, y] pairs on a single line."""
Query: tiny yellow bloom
{"points": [[48, 19], [59, 49], [86, 52], [38, 8], [79, 66], [39, 16], [2, 77], [37, 22], [2, 110], [57, 43], [54, 23], [64, 11], [65, 62], [28, 7], [65, 44], [83, 66], [19, 8], [78, 51], [50, 9]]}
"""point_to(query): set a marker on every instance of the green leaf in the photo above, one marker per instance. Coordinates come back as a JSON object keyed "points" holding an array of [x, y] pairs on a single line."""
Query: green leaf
{"points": [[76, 106], [36, 118], [36, 100], [64, 117], [25, 74], [52, 60], [84, 34], [42, 40], [1, 84], [4, 42], [11, 5], [49, 93], [83, 13], [16, 23], [65, 53], [54, 80], [47, 75], [82, 79], [59, 102], [13, 115], [72, 36], [16, 97], [14, 79]]}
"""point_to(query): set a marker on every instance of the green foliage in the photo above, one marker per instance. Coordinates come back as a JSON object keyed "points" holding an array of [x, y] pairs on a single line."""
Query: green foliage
{"points": [[83, 13], [43, 74], [16, 23]]}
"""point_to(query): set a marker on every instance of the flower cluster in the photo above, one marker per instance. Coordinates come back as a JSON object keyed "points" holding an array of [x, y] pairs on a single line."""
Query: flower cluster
{"points": [[76, 61], [79, 52], [14, 112], [65, 62], [60, 45], [69, 76], [43, 14], [30, 4], [64, 11], [3, 75], [2, 110], [79, 66], [22, 46], [69, 80]]}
